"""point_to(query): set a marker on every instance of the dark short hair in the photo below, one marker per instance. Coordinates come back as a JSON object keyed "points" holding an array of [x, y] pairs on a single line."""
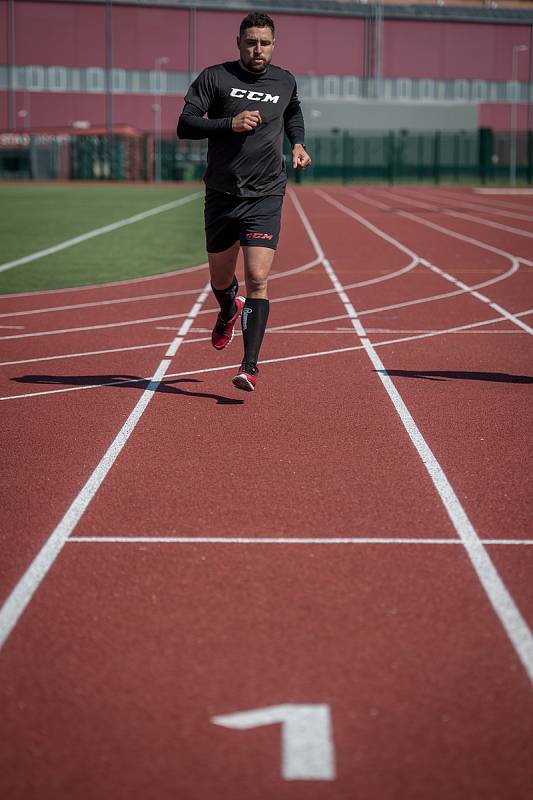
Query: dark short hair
{"points": [[257, 20]]}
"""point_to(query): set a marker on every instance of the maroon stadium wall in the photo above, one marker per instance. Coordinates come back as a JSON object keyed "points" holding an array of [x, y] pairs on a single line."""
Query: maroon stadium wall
{"points": [[59, 61]]}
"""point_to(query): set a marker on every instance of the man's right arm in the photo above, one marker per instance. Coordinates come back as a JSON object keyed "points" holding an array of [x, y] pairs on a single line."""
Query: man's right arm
{"points": [[193, 125]]}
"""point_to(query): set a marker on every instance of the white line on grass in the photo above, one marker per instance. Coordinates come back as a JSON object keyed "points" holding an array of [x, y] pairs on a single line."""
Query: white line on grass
{"points": [[98, 232], [23, 592], [500, 598]]}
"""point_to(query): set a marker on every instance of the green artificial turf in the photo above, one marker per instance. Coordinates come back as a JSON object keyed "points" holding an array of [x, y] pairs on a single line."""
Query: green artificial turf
{"points": [[34, 217]]}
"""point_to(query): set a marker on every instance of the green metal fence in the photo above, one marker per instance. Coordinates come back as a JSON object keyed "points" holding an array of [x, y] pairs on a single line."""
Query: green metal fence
{"points": [[482, 156], [479, 156]]}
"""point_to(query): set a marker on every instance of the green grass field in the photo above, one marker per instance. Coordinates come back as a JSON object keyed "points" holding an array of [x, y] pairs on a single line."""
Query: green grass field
{"points": [[38, 216]]}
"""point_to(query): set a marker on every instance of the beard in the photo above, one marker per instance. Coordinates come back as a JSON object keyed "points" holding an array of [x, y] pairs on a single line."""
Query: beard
{"points": [[255, 65]]}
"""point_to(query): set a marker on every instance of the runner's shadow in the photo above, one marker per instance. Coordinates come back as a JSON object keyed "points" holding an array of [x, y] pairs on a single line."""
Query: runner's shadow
{"points": [[127, 382], [438, 375]]}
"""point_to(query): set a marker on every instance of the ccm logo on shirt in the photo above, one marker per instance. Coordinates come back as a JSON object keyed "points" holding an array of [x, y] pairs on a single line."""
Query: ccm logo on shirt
{"points": [[264, 97]]}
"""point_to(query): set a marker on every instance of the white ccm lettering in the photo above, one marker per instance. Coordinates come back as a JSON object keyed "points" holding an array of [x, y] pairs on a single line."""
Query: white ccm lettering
{"points": [[264, 97]]}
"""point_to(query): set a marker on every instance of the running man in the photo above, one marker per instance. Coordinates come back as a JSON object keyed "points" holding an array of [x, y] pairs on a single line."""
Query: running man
{"points": [[250, 104]]}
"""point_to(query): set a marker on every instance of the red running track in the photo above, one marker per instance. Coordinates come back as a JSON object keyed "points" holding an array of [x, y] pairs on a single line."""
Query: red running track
{"points": [[344, 557]]}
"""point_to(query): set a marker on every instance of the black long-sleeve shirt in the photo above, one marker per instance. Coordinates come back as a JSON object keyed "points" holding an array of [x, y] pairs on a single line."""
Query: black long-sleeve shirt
{"points": [[245, 164]]}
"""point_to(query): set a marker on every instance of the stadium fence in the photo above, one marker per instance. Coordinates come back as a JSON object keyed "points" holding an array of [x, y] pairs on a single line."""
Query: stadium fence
{"points": [[483, 156]]}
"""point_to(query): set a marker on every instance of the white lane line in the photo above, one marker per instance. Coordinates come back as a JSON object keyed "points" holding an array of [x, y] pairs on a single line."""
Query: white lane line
{"points": [[336, 351], [85, 354], [99, 232], [472, 290], [470, 217], [84, 328], [497, 593], [282, 540], [445, 295], [482, 190], [277, 329], [96, 286], [132, 298], [483, 298], [440, 200], [23, 592], [99, 303], [142, 321], [304, 296], [446, 231]]}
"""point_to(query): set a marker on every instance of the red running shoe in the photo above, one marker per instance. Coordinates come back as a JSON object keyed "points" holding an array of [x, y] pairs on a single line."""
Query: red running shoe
{"points": [[225, 328], [246, 377]]}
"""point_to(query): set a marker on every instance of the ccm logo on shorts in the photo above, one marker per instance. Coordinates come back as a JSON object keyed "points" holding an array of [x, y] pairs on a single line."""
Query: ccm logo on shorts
{"points": [[259, 236], [264, 97]]}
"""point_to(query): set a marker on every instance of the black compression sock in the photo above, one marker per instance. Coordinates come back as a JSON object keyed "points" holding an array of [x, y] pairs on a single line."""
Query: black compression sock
{"points": [[254, 320], [226, 297]]}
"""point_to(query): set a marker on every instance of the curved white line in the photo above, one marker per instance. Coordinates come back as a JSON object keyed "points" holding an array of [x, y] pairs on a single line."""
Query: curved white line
{"points": [[443, 196], [173, 273], [299, 357], [463, 287], [98, 303], [471, 217], [134, 298]]}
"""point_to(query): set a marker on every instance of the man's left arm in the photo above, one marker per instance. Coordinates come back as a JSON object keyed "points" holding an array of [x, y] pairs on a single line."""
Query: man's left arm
{"points": [[295, 130]]}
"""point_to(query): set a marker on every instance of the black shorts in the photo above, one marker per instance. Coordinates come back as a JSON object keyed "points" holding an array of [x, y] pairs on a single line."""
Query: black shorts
{"points": [[253, 221]]}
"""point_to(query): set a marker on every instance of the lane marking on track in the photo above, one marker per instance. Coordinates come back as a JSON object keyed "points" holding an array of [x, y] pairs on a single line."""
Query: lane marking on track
{"points": [[98, 303], [378, 204], [442, 197], [472, 290], [103, 326], [481, 190], [281, 540], [441, 229], [445, 295], [87, 353], [96, 286], [99, 232], [399, 340], [497, 593], [23, 592], [304, 296], [277, 329], [135, 298]]}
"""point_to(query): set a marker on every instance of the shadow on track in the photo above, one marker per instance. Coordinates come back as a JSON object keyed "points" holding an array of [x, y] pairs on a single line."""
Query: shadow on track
{"points": [[127, 382], [437, 375]]}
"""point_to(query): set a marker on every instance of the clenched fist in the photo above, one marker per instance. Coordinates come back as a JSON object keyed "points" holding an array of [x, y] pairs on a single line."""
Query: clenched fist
{"points": [[246, 121]]}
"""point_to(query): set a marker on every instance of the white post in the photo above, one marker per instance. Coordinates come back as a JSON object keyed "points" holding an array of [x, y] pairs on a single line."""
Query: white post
{"points": [[156, 108], [517, 48]]}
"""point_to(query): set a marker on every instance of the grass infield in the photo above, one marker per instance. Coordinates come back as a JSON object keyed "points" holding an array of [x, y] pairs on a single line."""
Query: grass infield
{"points": [[37, 216]]}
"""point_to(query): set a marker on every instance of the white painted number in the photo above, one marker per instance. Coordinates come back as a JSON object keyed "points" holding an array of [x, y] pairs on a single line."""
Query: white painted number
{"points": [[307, 752]]}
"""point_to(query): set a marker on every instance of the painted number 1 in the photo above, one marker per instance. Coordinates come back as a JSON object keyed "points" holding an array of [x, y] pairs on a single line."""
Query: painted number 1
{"points": [[307, 752]]}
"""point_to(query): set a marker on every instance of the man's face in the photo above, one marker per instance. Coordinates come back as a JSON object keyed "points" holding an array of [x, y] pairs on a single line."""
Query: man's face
{"points": [[255, 48]]}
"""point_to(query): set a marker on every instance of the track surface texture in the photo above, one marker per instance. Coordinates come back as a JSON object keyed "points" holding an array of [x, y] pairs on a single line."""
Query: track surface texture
{"points": [[318, 590]]}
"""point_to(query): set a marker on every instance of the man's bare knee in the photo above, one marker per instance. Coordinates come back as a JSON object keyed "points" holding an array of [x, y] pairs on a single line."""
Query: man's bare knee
{"points": [[256, 287]]}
